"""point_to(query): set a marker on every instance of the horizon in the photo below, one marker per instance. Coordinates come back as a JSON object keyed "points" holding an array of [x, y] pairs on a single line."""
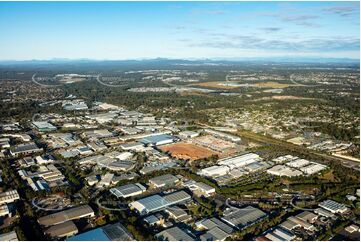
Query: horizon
{"points": [[110, 31]]}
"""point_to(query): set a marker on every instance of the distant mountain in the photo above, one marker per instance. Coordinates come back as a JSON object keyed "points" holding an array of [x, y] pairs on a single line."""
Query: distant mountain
{"points": [[184, 61]]}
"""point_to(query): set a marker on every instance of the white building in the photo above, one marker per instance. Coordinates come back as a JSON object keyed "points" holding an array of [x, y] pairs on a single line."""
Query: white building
{"points": [[214, 171]]}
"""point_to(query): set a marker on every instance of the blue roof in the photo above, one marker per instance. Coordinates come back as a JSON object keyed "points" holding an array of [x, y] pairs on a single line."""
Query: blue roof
{"points": [[153, 203], [92, 235], [156, 138]]}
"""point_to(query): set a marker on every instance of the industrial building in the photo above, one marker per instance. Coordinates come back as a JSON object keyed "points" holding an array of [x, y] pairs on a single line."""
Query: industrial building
{"points": [[66, 229], [110, 232], [66, 215], [9, 197], [200, 188], [44, 126], [225, 136], [333, 207], [280, 234], [164, 180], [239, 161], [155, 140], [173, 234], [25, 149], [216, 230], [129, 190], [156, 202], [188, 134], [214, 171], [243, 217], [282, 170]]}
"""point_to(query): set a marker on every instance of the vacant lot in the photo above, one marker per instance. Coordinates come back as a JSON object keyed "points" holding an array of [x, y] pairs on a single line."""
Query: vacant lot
{"points": [[186, 151]]}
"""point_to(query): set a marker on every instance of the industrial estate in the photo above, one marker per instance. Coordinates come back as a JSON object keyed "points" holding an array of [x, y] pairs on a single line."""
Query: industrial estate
{"points": [[76, 169]]}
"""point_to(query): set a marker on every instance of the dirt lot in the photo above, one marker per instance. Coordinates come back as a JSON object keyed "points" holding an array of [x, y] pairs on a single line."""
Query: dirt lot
{"points": [[187, 151]]}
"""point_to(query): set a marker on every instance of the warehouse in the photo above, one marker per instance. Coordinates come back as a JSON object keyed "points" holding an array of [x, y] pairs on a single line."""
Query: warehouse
{"points": [[214, 171], [9, 197], [240, 161], [200, 188], [188, 134], [156, 202], [282, 170], [155, 140], [298, 163], [110, 232], [164, 180], [244, 217], [280, 234], [66, 229], [216, 229], [135, 146], [173, 234], [313, 168], [225, 136], [333, 207], [66, 215], [44, 126], [129, 190], [25, 149]]}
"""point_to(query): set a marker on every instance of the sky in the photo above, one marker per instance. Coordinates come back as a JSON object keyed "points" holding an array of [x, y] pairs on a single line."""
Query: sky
{"points": [[190, 30]]}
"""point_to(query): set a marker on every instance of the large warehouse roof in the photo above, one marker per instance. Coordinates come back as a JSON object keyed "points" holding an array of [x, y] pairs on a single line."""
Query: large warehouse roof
{"points": [[67, 215], [157, 202], [243, 217], [174, 234], [110, 232], [128, 190], [163, 180]]}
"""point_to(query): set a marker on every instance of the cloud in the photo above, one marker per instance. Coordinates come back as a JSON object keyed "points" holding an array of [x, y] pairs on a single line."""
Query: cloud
{"points": [[299, 19], [271, 29], [256, 43], [343, 11]]}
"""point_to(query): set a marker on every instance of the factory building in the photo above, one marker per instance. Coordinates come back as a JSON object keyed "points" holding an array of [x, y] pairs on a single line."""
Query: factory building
{"points": [[239, 161], [214, 171], [243, 217], [173, 234], [164, 180], [156, 140], [333, 207], [66, 215], [110, 232], [129, 190], [156, 202]]}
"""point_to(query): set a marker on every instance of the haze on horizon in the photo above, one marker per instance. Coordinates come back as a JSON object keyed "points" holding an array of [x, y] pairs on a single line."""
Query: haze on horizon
{"points": [[131, 30]]}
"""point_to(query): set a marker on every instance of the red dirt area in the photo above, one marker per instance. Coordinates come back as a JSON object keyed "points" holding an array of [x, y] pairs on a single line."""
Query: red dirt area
{"points": [[186, 151]]}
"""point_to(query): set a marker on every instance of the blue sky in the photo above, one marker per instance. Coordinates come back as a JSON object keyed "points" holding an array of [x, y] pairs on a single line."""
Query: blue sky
{"points": [[132, 30]]}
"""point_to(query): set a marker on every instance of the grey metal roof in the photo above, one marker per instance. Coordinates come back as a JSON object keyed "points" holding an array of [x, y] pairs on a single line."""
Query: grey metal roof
{"points": [[126, 190], [214, 234], [174, 234], [177, 197], [164, 179], [243, 217], [66, 215]]}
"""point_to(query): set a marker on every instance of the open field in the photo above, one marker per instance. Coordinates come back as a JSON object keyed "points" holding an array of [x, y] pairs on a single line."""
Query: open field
{"points": [[187, 151], [234, 85], [273, 85]]}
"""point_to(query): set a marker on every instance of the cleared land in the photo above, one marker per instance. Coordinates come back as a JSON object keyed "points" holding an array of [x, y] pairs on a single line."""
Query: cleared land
{"points": [[231, 85], [186, 151]]}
